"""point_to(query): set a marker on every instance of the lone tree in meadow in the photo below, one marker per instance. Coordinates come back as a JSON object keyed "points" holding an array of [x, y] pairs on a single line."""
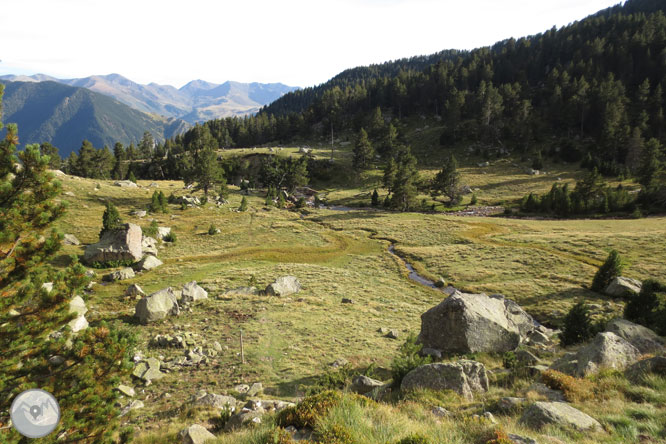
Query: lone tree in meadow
{"points": [[447, 181], [34, 321], [110, 219], [204, 170], [607, 272]]}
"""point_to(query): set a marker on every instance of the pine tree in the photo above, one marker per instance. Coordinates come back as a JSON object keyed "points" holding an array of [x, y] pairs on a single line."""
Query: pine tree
{"points": [[375, 198], [577, 325], [111, 219], [404, 185], [611, 268], [46, 149], [85, 164], [205, 170], [390, 171], [363, 152], [119, 168], [33, 321], [131, 177], [243, 204], [447, 181]]}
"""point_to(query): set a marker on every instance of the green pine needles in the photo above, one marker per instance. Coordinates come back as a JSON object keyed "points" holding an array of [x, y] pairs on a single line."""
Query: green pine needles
{"points": [[607, 272]]}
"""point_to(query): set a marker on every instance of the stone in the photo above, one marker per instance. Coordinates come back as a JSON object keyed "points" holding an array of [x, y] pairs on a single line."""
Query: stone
{"points": [[78, 306], [464, 377], [636, 371], [544, 390], [139, 213], [255, 389], [644, 339], [540, 414], [147, 370], [134, 290], [125, 184], [538, 338], [195, 434], [116, 246], [526, 358], [149, 245], [607, 350], [510, 404], [361, 384], [126, 390], [218, 401], [432, 352], [243, 418], [192, 293], [441, 412], [469, 323], [56, 360], [162, 232], [517, 439], [119, 275], [283, 286], [148, 263], [156, 306], [489, 417], [241, 388], [393, 334], [340, 362], [621, 287], [134, 405], [70, 239], [347, 301]]}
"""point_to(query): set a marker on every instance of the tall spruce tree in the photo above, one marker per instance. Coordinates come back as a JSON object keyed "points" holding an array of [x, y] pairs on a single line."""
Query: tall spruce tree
{"points": [[363, 151], [39, 349], [447, 181]]}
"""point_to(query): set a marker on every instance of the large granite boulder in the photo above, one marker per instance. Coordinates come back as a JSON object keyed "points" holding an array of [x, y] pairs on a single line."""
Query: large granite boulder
{"points": [[216, 401], [157, 306], [147, 263], [469, 323], [117, 245], [644, 339], [464, 377], [655, 365], [284, 286], [622, 286], [540, 414], [195, 434], [192, 293], [607, 350]]}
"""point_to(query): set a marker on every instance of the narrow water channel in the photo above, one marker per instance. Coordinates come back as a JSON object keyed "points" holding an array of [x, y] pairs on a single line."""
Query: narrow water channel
{"points": [[413, 275]]}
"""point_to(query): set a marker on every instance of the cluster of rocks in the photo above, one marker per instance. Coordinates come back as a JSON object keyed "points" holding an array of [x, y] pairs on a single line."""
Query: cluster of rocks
{"points": [[148, 369], [168, 301]]}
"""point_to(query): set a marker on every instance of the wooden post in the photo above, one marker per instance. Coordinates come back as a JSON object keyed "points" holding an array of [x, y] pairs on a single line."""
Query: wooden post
{"points": [[242, 350]]}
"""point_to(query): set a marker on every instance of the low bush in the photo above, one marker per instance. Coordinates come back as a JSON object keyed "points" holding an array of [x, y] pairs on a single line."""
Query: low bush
{"points": [[212, 230], [407, 360], [171, 237], [306, 412], [648, 308], [414, 439], [611, 268], [578, 326], [152, 229], [574, 389]]}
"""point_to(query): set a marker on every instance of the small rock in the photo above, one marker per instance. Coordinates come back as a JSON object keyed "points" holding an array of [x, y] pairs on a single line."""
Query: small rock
{"points": [[255, 389], [56, 360], [340, 362], [517, 439], [540, 414], [441, 412], [393, 334], [139, 213], [525, 358], [347, 301], [70, 239], [148, 262], [489, 417], [432, 352], [125, 184], [126, 390], [195, 434], [192, 293], [120, 275], [361, 384], [510, 404], [241, 388], [622, 287], [283, 286], [134, 291]]}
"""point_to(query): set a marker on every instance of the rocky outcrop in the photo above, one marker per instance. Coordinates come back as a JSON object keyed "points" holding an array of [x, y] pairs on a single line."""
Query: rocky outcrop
{"points": [[195, 434], [156, 306], [468, 323], [463, 377], [119, 275], [622, 286], [541, 414], [638, 370], [607, 350], [283, 286], [644, 339], [192, 293], [147, 263], [116, 246]]}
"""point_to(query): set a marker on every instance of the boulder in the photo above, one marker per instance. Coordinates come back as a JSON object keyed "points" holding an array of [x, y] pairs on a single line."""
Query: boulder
{"points": [[139, 213], [134, 290], [526, 358], [162, 232], [116, 245], [192, 293], [119, 275], [195, 434], [540, 414], [147, 263], [622, 286], [607, 350], [126, 390], [217, 401], [255, 389], [284, 286], [157, 306], [638, 370], [361, 384], [70, 239], [644, 339], [149, 245], [78, 307], [469, 323], [243, 418], [125, 184], [147, 370], [464, 377]]}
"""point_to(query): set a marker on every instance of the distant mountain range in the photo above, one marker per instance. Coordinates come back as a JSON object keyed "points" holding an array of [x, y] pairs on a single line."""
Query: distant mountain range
{"points": [[197, 101], [63, 115]]}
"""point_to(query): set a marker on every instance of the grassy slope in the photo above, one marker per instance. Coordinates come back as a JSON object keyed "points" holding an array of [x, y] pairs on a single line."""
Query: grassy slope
{"points": [[541, 264]]}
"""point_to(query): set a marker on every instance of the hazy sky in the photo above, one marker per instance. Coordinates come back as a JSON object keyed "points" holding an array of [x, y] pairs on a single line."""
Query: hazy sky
{"points": [[297, 42]]}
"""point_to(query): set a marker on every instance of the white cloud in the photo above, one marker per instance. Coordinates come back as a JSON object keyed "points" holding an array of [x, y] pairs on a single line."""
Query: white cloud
{"points": [[296, 42]]}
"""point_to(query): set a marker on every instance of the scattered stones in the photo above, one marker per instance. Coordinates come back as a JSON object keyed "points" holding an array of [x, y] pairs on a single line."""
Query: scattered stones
{"points": [[148, 370], [125, 184], [468, 323], [119, 275], [347, 301], [644, 339], [622, 287], [192, 293], [540, 414], [463, 377], [195, 434], [241, 419], [157, 306], [607, 350], [190, 201], [361, 384], [148, 263], [78, 306], [283, 286], [638, 370], [134, 291], [70, 239], [116, 246], [149, 245], [126, 390]]}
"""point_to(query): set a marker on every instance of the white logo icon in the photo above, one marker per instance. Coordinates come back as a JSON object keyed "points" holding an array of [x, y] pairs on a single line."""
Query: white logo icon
{"points": [[35, 413]]}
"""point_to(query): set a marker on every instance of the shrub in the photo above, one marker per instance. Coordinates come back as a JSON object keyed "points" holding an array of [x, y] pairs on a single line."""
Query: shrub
{"points": [[306, 413], [131, 177], [203, 201], [473, 200], [607, 272], [171, 237], [172, 199], [499, 436], [375, 198], [277, 436], [158, 203], [509, 360], [183, 206], [336, 434], [407, 360], [243, 204], [212, 230], [281, 202], [331, 380], [648, 308], [110, 219], [152, 230], [414, 439], [574, 389], [300, 203], [578, 325], [317, 201]]}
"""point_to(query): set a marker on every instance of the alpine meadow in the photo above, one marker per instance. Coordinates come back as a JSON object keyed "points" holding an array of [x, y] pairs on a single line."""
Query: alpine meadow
{"points": [[459, 248]]}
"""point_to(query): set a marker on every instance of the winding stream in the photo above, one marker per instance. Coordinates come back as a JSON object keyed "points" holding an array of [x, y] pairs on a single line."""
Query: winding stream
{"points": [[413, 275]]}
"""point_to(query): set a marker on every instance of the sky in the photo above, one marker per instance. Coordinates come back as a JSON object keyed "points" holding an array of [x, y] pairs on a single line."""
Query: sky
{"points": [[296, 42]]}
